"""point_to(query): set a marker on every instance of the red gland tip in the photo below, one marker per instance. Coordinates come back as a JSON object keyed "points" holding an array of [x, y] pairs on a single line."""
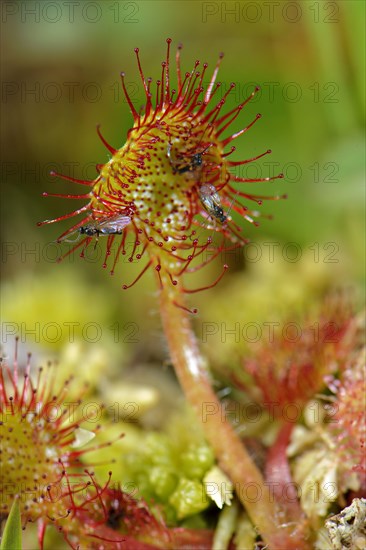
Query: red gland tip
{"points": [[256, 89], [269, 151], [44, 194], [53, 173], [281, 176], [194, 310], [258, 116], [168, 40]]}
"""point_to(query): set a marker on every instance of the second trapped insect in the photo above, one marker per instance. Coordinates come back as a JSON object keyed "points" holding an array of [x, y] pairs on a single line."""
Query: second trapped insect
{"points": [[180, 167], [207, 193], [113, 225], [211, 202]]}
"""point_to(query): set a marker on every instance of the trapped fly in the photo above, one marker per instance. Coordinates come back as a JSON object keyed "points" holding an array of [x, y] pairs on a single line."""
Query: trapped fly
{"points": [[211, 202], [113, 225], [180, 167]]}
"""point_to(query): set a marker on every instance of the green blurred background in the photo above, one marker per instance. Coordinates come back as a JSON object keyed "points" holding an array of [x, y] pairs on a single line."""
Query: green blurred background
{"points": [[61, 64]]}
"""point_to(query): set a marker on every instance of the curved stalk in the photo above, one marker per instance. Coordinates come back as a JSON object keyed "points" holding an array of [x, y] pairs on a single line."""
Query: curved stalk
{"points": [[232, 456]]}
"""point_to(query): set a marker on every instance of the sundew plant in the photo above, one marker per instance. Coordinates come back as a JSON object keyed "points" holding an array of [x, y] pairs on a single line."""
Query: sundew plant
{"points": [[178, 146], [171, 201]]}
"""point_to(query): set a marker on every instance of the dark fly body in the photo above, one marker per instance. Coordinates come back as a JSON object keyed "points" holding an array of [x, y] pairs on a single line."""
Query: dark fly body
{"points": [[180, 167], [113, 225], [211, 202]]}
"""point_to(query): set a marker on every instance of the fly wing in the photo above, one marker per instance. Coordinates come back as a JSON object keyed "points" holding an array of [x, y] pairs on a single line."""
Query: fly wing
{"points": [[115, 224]]}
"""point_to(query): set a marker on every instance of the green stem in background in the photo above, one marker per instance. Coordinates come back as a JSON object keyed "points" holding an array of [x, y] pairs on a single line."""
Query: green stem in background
{"points": [[231, 454]]}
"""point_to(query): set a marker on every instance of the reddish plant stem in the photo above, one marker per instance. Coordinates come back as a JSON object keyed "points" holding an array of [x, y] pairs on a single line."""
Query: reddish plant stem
{"points": [[231, 454], [277, 472]]}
